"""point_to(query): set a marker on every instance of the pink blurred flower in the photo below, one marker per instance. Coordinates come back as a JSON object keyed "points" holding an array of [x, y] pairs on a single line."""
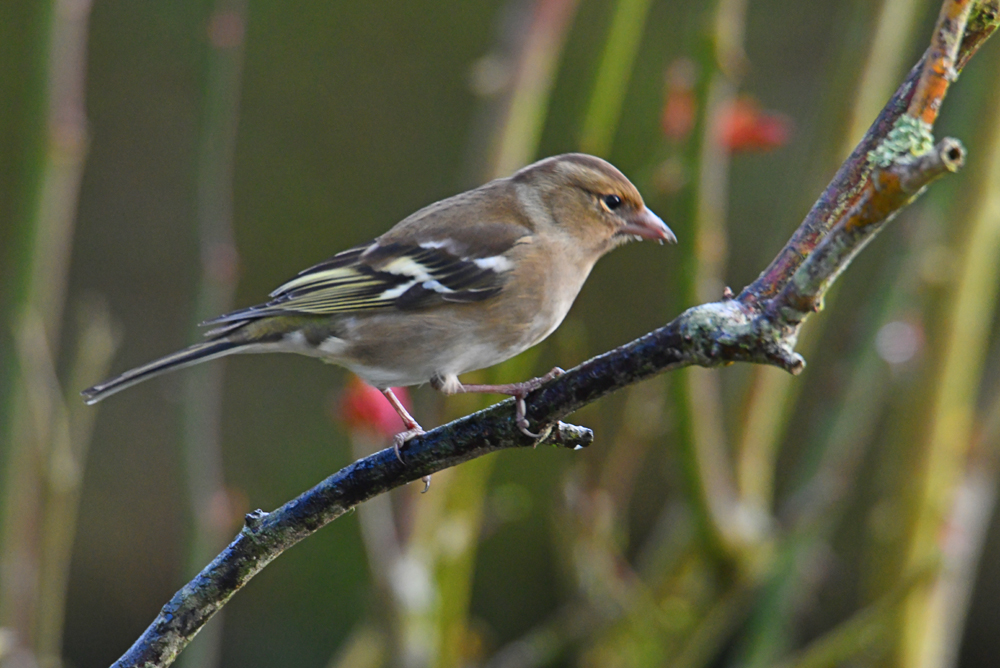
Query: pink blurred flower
{"points": [[362, 408]]}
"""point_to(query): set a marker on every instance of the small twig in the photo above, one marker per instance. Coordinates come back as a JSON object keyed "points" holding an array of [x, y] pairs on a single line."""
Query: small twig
{"points": [[849, 178], [886, 192], [853, 174], [939, 72], [981, 25]]}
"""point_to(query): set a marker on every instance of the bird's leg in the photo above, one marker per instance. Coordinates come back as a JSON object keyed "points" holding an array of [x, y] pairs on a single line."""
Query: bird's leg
{"points": [[412, 429], [517, 390]]}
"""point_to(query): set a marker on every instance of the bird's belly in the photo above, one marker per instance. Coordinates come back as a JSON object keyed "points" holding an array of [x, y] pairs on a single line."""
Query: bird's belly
{"points": [[456, 361], [426, 347]]}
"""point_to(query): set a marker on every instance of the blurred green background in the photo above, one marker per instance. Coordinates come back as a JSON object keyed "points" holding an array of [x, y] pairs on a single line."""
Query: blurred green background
{"points": [[723, 518]]}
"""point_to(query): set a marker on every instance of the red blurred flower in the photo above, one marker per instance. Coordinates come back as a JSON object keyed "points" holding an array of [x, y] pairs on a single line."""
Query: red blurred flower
{"points": [[362, 408], [745, 127], [680, 105]]}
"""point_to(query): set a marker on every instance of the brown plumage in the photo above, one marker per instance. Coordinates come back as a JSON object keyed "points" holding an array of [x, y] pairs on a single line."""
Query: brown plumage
{"points": [[462, 284]]}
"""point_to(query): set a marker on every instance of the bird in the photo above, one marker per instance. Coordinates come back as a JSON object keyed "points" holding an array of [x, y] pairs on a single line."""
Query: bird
{"points": [[462, 284]]}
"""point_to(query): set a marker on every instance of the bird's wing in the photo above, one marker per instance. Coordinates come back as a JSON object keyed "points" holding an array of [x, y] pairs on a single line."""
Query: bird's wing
{"points": [[384, 275]]}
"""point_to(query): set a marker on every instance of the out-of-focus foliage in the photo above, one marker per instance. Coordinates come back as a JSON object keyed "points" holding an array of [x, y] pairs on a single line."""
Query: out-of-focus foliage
{"points": [[734, 517]]}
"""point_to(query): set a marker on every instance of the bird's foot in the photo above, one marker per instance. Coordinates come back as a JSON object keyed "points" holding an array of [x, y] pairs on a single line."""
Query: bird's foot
{"points": [[519, 391], [522, 390]]}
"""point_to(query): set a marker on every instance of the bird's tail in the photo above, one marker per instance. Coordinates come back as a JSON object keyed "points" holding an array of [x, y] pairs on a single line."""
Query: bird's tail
{"points": [[199, 352]]}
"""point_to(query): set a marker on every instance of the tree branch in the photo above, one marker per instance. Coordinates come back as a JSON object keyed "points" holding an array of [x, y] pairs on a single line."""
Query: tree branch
{"points": [[891, 166]]}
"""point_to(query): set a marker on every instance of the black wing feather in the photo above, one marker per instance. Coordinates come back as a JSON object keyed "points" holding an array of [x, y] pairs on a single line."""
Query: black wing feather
{"points": [[375, 276]]}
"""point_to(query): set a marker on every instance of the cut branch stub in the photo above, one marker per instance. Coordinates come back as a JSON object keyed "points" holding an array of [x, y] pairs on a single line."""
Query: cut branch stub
{"points": [[887, 191]]}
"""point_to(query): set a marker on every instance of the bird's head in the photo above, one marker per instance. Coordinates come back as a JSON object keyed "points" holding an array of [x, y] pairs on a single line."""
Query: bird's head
{"points": [[592, 202]]}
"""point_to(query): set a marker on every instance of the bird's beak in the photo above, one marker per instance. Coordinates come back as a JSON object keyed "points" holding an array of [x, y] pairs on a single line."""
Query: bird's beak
{"points": [[647, 225]]}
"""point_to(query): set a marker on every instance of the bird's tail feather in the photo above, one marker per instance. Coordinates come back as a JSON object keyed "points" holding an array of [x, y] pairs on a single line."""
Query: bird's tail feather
{"points": [[199, 352]]}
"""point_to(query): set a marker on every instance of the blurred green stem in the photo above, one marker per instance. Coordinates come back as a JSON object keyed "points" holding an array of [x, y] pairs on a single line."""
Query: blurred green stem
{"points": [[970, 518], [816, 508], [966, 322], [432, 577], [445, 539], [364, 648], [613, 74], [443, 547], [202, 404], [718, 623], [707, 460], [704, 386], [516, 135], [642, 424], [34, 541], [728, 537], [63, 428], [772, 393], [886, 61], [382, 548], [547, 642], [864, 631], [55, 213]]}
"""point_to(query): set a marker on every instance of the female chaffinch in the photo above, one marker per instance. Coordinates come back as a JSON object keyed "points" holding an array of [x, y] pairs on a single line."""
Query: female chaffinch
{"points": [[460, 285]]}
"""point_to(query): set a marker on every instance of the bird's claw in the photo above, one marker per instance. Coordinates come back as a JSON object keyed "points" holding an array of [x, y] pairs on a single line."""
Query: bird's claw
{"points": [[400, 439], [522, 423], [521, 419]]}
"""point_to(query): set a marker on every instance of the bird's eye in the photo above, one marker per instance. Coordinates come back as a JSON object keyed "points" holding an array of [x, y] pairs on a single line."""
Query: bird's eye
{"points": [[612, 201]]}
